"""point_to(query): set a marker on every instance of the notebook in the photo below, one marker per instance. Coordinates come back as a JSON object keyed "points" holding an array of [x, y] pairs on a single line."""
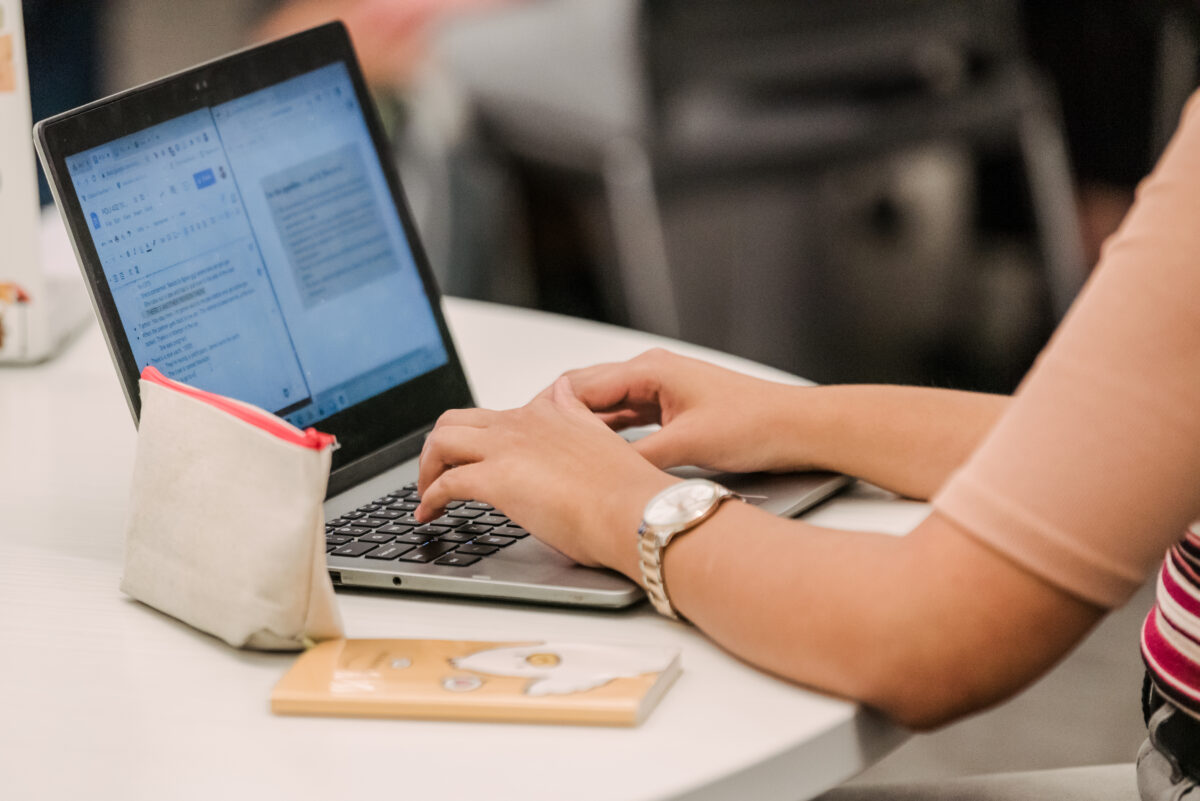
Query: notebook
{"points": [[241, 227], [585, 683]]}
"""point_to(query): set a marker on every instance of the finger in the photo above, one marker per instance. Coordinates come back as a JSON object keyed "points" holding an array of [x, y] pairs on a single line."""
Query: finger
{"points": [[626, 418], [616, 418], [464, 481], [548, 392], [447, 447], [664, 448], [610, 387], [471, 418], [563, 396], [475, 418]]}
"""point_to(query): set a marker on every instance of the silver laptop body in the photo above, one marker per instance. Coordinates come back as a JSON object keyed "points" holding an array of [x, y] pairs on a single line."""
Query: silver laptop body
{"points": [[530, 571]]}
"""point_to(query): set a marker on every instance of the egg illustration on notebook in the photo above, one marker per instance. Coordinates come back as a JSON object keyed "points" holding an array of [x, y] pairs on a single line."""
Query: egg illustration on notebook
{"points": [[560, 668]]}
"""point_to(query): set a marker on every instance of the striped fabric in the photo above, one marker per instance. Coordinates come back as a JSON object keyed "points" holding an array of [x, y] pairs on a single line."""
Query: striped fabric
{"points": [[1171, 633]]}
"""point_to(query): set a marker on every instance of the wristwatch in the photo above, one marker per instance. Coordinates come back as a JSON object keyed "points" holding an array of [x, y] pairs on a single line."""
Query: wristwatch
{"points": [[674, 511]]}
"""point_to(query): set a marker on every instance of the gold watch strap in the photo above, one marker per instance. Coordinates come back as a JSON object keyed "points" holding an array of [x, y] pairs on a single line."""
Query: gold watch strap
{"points": [[652, 578], [650, 554]]}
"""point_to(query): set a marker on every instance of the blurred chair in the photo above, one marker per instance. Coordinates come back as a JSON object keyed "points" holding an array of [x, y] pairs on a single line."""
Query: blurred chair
{"points": [[725, 143]]}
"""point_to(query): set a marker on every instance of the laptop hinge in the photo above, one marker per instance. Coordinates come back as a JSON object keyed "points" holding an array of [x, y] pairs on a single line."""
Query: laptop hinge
{"points": [[376, 462]]}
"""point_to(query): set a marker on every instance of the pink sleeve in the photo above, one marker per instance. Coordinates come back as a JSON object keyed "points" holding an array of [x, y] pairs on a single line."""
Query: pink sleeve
{"points": [[1094, 469]]}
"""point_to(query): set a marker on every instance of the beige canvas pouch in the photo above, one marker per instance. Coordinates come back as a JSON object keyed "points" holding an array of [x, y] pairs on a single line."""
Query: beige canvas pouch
{"points": [[226, 530]]}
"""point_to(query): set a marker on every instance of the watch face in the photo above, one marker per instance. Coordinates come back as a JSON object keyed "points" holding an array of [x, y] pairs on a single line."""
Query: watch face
{"points": [[681, 503]]}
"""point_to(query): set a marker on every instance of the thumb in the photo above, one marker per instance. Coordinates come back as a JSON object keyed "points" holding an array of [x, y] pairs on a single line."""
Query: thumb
{"points": [[664, 448], [563, 395]]}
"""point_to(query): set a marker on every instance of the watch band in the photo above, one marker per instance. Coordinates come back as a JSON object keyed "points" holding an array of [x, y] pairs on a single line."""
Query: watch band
{"points": [[652, 544], [650, 554]]}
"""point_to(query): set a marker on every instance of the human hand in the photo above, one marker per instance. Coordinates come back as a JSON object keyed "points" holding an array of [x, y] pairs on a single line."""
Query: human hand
{"points": [[711, 417], [552, 467]]}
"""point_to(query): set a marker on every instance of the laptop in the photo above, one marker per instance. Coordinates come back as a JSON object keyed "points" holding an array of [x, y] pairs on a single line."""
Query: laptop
{"points": [[41, 304], [241, 226]]}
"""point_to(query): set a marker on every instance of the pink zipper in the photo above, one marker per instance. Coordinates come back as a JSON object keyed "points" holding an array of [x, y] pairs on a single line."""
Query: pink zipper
{"points": [[308, 438]]}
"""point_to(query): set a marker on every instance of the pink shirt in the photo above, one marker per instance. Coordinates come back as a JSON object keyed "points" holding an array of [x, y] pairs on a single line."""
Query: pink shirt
{"points": [[1093, 472]]}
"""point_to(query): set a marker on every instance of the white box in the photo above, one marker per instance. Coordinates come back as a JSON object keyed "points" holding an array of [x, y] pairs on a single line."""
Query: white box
{"points": [[56, 305]]}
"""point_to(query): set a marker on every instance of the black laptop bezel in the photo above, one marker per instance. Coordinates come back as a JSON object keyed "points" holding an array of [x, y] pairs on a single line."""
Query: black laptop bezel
{"points": [[375, 433]]}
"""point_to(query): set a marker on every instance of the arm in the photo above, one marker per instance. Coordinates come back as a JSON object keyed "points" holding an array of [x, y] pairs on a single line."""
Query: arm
{"points": [[1061, 511], [926, 628], [899, 623], [906, 439]]}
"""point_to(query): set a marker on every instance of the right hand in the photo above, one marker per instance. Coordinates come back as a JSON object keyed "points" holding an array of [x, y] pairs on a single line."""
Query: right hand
{"points": [[710, 417]]}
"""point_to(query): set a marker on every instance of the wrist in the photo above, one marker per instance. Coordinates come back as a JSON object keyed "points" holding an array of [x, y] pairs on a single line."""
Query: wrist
{"points": [[801, 416], [621, 516]]}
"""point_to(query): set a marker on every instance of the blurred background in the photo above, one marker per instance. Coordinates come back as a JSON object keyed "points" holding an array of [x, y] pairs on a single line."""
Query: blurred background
{"points": [[851, 190]]}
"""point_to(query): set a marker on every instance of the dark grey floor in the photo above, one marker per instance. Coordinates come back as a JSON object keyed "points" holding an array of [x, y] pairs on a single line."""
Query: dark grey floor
{"points": [[1084, 712]]}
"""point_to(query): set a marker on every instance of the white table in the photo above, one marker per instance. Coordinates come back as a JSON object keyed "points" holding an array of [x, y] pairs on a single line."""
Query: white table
{"points": [[101, 697]]}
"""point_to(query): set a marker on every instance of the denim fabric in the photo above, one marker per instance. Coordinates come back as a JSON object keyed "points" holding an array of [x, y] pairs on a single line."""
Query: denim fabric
{"points": [[1160, 777]]}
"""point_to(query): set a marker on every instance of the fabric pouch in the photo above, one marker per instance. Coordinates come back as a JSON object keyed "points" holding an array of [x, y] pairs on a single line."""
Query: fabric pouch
{"points": [[226, 529]]}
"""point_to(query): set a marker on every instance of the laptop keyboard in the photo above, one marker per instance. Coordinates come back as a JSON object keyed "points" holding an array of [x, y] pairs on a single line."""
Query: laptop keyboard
{"points": [[385, 530]]}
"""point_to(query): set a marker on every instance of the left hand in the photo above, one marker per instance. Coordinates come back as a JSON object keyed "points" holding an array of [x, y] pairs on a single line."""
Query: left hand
{"points": [[553, 467]]}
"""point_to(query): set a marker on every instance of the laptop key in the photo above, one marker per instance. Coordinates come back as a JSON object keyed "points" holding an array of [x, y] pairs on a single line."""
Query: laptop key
{"points": [[486, 507], [474, 529], [454, 504], [515, 532], [431, 530], [375, 536], [456, 536], [414, 539], [354, 549], [334, 539], [403, 506], [368, 507], [387, 514], [389, 551], [465, 513], [447, 521], [353, 515], [370, 522], [476, 549], [427, 552], [457, 560], [393, 528], [491, 520], [352, 531], [500, 542], [407, 520]]}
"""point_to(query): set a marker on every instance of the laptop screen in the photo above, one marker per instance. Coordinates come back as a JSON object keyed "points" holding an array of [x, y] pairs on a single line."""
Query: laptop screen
{"points": [[253, 248]]}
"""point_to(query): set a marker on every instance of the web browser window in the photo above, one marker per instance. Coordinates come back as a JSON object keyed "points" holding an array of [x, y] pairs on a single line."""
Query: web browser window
{"points": [[253, 249]]}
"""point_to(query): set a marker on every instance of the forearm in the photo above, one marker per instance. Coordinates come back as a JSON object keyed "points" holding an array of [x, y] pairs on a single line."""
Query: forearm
{"points": [[906, 439], [896, 622]]}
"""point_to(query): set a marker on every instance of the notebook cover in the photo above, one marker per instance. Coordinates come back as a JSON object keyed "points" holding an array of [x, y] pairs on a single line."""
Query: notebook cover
{"points": [[531, 682]]}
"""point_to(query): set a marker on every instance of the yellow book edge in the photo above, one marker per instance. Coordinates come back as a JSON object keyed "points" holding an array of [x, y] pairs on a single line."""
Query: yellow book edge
{"points": [[564, 682]]}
